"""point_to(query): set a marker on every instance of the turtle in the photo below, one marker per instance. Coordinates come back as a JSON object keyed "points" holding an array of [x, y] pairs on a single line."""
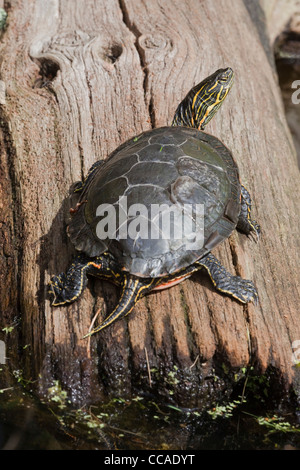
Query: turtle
{"points": [[170, 169]]}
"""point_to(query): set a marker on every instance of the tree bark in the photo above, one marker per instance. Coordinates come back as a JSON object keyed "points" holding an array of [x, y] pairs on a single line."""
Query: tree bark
{"points": [[81, 78]]}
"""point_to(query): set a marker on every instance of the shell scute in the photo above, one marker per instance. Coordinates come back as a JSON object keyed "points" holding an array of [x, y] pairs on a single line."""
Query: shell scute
{"points": [[165, 168]]}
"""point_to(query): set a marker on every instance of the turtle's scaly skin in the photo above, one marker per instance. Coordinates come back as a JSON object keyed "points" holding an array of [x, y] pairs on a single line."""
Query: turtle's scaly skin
{"points": [[173, 166]]}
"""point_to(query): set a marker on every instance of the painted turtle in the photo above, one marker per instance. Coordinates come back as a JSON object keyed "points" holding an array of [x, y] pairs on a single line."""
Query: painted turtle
{"points": [[167, 169]]}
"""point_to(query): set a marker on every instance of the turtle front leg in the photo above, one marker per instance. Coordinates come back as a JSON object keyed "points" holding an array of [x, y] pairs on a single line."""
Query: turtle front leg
{"points": [[245, 223], [241, 289]]}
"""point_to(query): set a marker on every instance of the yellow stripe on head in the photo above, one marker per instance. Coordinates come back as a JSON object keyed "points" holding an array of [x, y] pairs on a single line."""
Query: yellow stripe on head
{"points": [[203, 101]]}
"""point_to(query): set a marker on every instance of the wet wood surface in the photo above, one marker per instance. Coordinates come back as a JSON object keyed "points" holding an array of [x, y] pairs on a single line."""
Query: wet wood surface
{"points": [[82, 77]]}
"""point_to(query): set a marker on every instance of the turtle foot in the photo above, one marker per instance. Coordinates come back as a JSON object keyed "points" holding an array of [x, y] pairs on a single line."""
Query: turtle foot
{"points": [[243, 290], [57, 289], [235, 286], [256, 231]]}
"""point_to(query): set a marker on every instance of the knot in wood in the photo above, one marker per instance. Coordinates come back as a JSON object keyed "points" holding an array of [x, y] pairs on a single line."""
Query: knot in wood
{"points": [[154, 41]]}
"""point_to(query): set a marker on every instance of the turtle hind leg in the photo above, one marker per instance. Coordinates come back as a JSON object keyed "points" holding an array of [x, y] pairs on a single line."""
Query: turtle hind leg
{"points": [[245, 223], [241, 289], [133, 289], [66, 288]]}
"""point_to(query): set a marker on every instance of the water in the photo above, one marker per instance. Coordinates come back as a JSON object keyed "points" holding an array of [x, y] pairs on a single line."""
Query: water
{"points": [[145, 423]]}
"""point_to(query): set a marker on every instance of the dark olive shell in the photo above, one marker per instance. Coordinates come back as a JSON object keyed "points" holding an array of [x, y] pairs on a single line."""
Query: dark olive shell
{"points": [[172, 166]]}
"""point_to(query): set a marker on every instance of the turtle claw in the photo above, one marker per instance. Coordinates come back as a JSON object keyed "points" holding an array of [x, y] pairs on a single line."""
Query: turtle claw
{"points": [[246, 291], [256, 231], [56, 289], [254, 236]]}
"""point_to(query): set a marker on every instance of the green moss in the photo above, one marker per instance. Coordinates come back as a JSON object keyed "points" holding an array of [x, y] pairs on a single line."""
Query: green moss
{"points": [[58, 396], [3, 17]]}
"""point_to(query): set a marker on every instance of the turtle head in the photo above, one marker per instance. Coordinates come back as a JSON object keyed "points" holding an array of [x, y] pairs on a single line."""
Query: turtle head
{"points": [[204, 100]]}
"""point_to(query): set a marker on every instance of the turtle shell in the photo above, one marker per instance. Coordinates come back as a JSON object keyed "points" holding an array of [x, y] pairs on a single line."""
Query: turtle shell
{"points": [[179, 184]]}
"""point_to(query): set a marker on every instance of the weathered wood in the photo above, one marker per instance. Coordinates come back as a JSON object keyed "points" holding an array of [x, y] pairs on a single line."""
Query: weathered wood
{"points": [[82, 77], [278, 14]]}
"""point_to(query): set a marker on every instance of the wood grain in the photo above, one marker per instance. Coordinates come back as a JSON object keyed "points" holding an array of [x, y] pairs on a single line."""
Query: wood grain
{"points": [[81, 78]]}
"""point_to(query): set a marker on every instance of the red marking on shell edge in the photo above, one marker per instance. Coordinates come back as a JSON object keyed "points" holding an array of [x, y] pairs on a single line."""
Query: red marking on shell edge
{"points": [[172, 283]]}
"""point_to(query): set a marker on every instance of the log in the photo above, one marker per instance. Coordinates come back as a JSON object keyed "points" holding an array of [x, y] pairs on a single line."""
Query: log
{"points": [[82, 77], [279, 14]]}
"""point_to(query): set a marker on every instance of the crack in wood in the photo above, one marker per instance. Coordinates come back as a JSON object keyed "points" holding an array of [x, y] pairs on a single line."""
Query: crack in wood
{"points": [[143, 62], [236, 265], [191, 342], [15, 206], [234, 256]]}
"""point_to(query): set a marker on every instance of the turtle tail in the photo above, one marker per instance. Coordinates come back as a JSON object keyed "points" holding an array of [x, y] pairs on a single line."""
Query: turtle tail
{"points": [[133, 288]]}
